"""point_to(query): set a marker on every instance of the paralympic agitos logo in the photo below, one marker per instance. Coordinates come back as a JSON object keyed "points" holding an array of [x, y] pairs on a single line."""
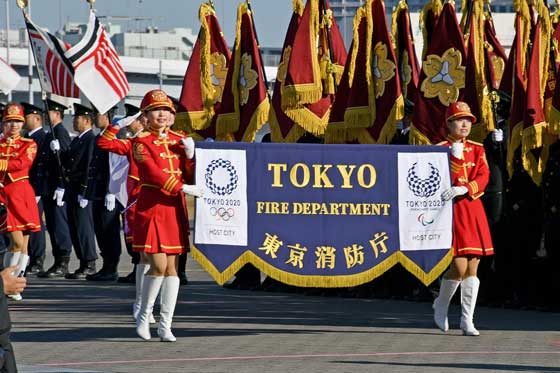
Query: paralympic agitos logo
{"points": [[423, 187]]}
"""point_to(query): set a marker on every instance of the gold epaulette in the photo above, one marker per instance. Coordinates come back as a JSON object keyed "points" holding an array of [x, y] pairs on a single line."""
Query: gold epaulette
{"points": [[143, 134], [26, 139], [474, 142], [178, 133], [441, 143]]}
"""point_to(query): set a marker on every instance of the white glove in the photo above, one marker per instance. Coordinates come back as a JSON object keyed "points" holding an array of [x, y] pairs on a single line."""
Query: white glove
{"points": [[498, 135], [193, 190], [59, 195], [454, 192], [110, 202], [55, 145], [189, 146], [37, 199], [457, 149], [82, 201]]}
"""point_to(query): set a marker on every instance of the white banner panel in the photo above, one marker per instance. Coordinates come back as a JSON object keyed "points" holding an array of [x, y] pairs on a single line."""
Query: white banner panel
{"points": [[221, 215], [425, 220]]}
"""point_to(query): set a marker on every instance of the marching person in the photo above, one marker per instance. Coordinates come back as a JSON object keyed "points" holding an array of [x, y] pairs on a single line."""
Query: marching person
{"points": [[165, 162], [56, 217], [135, 124], [16, 157], [38, 180], [106, 209], [471, 235], [76, 161]]}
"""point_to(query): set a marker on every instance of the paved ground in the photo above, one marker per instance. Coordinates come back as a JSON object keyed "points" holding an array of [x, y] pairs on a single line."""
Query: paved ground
{"points": [[78, 326]]}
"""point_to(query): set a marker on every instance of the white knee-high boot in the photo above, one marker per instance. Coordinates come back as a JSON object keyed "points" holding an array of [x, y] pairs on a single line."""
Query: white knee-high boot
{"points": [[150, 290], [441, 303], [22, 264], [469, 293], [11, 259], [141, 270], [169, 293]]}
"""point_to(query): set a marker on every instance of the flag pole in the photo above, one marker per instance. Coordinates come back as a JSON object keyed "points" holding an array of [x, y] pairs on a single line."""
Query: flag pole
{"points": [[22, 4], [329, 42], [467, 25], [258, 47]]}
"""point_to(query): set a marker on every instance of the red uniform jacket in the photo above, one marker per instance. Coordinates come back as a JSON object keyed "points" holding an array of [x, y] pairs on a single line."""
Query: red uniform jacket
{"points": [[471, 235], [16, 157]]}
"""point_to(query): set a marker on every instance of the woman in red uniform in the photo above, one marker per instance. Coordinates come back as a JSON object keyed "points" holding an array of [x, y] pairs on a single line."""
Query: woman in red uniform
{"points": [[16, 157], [161, 225], [108, 141], [471, 235]]}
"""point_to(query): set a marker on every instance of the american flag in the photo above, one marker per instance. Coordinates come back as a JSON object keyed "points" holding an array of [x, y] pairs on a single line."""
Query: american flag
{"points": [[97, 68], [55, 71]]}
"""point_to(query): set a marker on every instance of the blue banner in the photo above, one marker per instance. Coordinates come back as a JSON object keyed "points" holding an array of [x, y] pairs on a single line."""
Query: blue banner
{"points": [[322, 215]]}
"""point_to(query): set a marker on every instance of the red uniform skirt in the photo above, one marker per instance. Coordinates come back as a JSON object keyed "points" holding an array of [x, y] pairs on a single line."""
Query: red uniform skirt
{"points": [[23, 214], [161, 224], [471, 234]]}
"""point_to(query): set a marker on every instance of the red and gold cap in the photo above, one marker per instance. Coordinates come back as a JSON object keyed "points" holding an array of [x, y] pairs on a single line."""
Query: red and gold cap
{"points": [[156, 99], [458, 110], [13, 111]]}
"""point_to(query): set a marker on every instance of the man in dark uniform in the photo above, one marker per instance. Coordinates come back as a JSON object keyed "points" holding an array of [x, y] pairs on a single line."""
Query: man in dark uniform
{"points": [[495, 147], [9, 284], [38, 180], [53, 200], [76, 162], [106, 210], [132, 130]]}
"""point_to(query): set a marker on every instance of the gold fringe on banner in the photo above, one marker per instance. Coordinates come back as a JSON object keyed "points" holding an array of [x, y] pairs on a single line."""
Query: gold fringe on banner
{"points": [[298, 7], [205, 72], [390, 127], [321, 281], [259, 118], [303, 117], [426, 277], [295, 133]]}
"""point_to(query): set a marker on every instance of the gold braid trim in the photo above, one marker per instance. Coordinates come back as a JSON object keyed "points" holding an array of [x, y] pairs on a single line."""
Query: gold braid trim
{"points": [[201, 120], [360, 13], [298, 7], [400, 7], [276, 134]]}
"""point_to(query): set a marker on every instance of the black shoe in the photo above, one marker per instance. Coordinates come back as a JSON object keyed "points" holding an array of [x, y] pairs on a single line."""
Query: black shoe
{"points": [[183, 280], [34, 269], [128, 279], [87, 268], [59, 269], [103, 275]]}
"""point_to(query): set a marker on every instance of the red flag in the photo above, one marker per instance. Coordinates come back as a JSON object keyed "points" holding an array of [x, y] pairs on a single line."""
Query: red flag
{"points": [[205, 77], [441, 80], [495, 53], [308, 86], [428, 20], [527, 118], [245, 104], [408, 66]]}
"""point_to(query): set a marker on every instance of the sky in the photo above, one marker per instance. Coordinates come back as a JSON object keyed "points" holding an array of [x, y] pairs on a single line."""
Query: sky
{"points": [[271, 16]]}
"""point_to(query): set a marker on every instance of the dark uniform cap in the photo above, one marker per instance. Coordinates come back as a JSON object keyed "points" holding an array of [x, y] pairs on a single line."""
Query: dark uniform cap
{"points": [[111, 111], [80, 109], [56, 106], [131, 110], [31, 109]]}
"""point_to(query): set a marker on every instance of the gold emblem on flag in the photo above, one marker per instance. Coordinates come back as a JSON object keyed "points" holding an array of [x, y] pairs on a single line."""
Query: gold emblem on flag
{"points": [[444, 76], [283, 66], [247, 78], [218, 73], [383, 69], [406, 73]]}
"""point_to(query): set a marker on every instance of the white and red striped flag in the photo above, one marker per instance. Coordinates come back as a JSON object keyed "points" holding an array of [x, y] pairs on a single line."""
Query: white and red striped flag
{"points": [[9, 78], [97, 68], [55, 71]]}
